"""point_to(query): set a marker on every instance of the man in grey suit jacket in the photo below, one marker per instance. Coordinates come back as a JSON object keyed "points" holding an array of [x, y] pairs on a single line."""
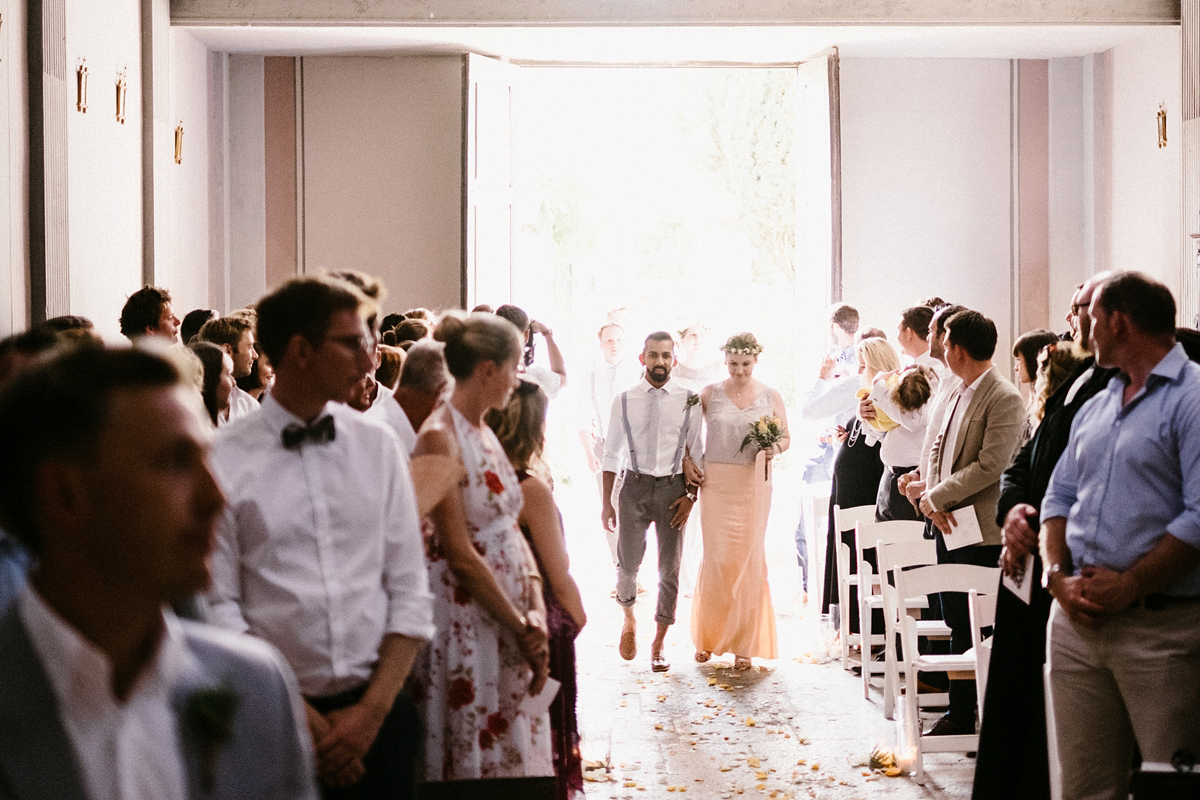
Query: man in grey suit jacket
{"points": [[103, 692], [980, 434]]}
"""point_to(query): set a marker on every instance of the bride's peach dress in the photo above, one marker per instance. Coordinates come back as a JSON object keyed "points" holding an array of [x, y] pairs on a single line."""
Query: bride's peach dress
{"points": [[731, 605]]}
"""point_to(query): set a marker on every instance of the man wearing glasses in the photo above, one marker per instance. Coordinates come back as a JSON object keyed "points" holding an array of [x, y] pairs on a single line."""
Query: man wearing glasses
{"points": [[319, 551]]}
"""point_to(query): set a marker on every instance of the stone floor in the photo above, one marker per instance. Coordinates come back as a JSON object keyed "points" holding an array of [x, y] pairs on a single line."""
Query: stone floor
{"points": [[787, 728]]}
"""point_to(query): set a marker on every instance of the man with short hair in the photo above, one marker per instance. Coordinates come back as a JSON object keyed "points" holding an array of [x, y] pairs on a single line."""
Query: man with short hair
{"points": [[193, 321], [234, 335], [843, 324], [1121, 545], [103, 692], [423, 380], [655, 441], [609, 377], [980, 434], [320, 552], [148, 312]]}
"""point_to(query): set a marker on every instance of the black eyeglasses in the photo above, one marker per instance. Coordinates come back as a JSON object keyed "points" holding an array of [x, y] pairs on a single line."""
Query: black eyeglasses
{"points": [[351, 342]]}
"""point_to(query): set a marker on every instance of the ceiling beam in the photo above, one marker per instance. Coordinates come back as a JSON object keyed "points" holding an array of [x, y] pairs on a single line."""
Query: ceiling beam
{"points": [[674, 12]]}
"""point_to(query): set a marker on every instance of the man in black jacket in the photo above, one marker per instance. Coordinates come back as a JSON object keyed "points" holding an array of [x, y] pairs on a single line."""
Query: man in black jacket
{"points": [[1013, 757]]}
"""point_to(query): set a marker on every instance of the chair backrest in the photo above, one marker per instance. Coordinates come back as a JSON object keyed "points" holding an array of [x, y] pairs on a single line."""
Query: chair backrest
{"points": [[983, 613], [848, 518], [868, 535], [894, 555], [947, 578]]}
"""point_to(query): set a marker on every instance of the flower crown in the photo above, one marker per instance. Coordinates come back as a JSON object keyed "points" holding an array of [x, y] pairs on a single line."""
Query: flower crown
{"points": [[742, 344]]}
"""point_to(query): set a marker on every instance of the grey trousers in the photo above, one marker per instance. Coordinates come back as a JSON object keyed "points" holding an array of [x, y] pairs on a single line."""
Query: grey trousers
{"points": [[1137, 677], [642, 500]]}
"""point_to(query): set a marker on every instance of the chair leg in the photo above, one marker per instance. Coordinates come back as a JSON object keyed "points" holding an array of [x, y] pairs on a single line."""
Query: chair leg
{"points": [[912, 721]]}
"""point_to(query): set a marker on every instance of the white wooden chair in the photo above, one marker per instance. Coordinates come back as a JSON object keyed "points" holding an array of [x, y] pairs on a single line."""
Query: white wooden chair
{"points": [[925, 581], [815, 506], [891, 557], [868, 536], [847, 519], [983, 615]]}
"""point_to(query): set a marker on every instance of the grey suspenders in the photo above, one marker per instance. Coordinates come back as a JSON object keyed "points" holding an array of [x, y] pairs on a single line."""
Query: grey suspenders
{"points": [[677, 463]]}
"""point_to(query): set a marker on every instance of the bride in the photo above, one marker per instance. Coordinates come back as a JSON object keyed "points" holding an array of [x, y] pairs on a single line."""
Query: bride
{"points": [[731, 610]]}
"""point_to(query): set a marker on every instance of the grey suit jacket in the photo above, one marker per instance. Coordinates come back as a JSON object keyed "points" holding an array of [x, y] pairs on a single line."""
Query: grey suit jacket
{"points": [[269, 755], [988, 438]]}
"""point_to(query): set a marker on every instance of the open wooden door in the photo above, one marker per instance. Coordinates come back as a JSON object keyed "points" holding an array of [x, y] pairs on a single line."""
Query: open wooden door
{"points": [[818, 178], [487, 181]]}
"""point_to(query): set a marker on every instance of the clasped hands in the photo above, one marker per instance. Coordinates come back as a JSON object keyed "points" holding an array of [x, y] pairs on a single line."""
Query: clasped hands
{"points": [[534, 643], [342, 738]]}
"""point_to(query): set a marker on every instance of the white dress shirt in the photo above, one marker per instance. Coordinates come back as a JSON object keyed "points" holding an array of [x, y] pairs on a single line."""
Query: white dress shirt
{"points": [[392, 415], [957, 405], [126, 750], [935, 417], [656, 418], [319, 551], [599, 388], [241, 404]]}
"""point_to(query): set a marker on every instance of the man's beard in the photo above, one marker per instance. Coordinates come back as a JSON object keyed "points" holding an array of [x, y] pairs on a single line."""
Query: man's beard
{"points": [[659, 374]]}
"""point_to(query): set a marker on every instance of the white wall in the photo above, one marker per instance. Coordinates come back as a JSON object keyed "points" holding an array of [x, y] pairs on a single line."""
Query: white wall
{"points": [[104, 162], [14, 180], [186, 271], [1146, 199], [247, 182], [1071, 199], [926, 187], [383, 173]]}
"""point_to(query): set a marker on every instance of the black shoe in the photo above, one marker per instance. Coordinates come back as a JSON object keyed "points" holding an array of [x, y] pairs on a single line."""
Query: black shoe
{"points": [[948, 726]]}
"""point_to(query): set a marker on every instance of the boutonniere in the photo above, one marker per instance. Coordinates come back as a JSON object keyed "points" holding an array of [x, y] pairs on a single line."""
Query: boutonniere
{"points": [[208, 720], [693, 400]]}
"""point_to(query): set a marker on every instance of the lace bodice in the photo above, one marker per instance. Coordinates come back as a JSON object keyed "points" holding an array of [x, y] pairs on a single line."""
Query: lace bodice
{"points": [[727, 426]]}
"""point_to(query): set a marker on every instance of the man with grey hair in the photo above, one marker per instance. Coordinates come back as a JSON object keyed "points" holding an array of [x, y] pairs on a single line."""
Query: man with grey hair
{"points": [[423, 381]]}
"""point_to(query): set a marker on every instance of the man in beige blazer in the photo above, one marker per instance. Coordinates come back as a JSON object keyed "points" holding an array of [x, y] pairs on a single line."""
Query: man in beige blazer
{"points": [[979, 436]]}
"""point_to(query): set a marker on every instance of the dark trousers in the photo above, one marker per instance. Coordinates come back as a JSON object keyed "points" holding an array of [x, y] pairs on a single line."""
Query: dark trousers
{"points": [[890, 502], [958, 617], [645, 500], [391, 763]]}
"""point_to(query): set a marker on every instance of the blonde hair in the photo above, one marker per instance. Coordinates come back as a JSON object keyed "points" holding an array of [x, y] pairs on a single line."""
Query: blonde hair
{"points": [[475, 338], [879, 356]]}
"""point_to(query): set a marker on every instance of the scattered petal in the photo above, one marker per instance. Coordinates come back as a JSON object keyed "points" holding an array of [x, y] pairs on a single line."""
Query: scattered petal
{"points": [[753, 761], [750, 721]]}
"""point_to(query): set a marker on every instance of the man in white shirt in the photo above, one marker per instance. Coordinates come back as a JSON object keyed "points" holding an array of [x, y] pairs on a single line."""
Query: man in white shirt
{"points": [[235, 336], [320, 551], [654, 437], [104, 694], [600, 386], [423, 380]]}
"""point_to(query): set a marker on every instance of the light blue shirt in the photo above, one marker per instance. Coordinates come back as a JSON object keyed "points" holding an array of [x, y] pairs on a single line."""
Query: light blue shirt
{"points": [[1131, 473], [14, 563]]}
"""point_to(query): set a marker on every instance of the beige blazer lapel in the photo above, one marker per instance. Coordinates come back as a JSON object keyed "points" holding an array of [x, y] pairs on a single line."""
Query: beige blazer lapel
{"points": [[982, 394]]}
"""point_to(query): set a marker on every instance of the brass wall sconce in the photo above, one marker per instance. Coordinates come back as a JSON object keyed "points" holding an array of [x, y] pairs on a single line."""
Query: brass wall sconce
{"points": [[1162, 125], [81, 82], [179, 143], [122, 88]]}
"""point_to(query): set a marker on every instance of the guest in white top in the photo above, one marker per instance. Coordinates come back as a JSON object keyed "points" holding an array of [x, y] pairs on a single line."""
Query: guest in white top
{"points": [[655, 439], [551, 380], [423, 381], [320, 551], [105, 478], [234, 335], [900, 451]]}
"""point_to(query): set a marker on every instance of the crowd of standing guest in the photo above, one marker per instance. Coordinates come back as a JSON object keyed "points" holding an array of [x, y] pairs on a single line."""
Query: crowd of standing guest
{"points": [[374, 527]]}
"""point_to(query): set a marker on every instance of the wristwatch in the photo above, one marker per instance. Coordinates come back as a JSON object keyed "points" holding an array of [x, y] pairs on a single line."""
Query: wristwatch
{"points": [[691, 494], [1048, 573]]}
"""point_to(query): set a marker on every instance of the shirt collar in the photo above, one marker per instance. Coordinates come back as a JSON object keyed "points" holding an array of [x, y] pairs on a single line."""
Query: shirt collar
{"points": [[276, 417], [648, 387], [81, 674], [975, 384], [1171, 365]]}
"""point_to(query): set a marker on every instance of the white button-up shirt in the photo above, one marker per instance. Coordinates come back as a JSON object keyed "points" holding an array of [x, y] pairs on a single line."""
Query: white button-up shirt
{"points": [[241, 404], [319, 551], [389, 412], [957, 407], [656, 417], [126, 750]]}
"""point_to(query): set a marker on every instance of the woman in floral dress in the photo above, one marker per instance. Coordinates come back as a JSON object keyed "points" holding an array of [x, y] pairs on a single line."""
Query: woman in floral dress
{"points": [[490, 653]]}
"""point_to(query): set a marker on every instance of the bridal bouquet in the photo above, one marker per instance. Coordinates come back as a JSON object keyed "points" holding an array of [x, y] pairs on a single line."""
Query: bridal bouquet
{"points": [[765, 432]]}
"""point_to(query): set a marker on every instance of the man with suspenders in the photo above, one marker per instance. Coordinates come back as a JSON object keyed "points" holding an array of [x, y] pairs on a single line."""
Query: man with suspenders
{"points": [[654, 434]]}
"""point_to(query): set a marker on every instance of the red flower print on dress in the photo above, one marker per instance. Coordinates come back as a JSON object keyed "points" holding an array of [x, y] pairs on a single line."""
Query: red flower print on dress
{"points": [[497, 724], [494, 484], [485, 740], [461, 597], [462, 692]]}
